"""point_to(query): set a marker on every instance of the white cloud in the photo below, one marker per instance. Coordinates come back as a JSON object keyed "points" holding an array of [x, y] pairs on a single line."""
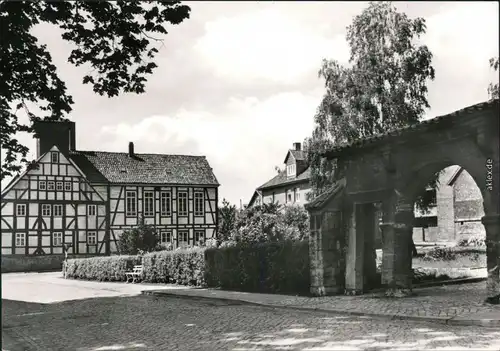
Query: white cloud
{"points": [[267, 44], [242, 145]]}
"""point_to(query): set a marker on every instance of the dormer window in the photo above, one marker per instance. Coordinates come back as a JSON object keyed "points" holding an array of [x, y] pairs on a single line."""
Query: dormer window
{"points": [[290, 170]]}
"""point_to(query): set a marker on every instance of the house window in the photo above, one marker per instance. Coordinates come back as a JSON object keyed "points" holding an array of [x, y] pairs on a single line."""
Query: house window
{"points": [[57, 239], [67, 186], [59, 186], [198, 203], [297, 195], [274, 197], [50, 185], [289, 196], [165, 237], [58, 210], [21, 209], [20, 239], [91, 210], [199, 237], [42, 185], [46, 210], [290, 170], [182, 198], [165, 203], [131, 203], [183, 238], [54, 156], [92, 238], [149, 203]]}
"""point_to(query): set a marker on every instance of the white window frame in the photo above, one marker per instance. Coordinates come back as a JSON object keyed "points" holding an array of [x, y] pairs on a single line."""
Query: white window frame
{"points": [[42, 185], [51, 185], [291, 170], [91, 235], [54, 159], [297, 194], [199, 237], [20, 239], [199, 203], [182, 210], [166, 203], [180, 236], [130, 212], [167, 235], [46, 210], [59, 186], [91, 210], [21, 208], [148, 203], [58, 210], [57, 236], [68, 186]]}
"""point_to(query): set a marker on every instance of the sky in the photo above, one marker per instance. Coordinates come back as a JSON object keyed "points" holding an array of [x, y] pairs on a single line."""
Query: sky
{"points": [[238, 81]]}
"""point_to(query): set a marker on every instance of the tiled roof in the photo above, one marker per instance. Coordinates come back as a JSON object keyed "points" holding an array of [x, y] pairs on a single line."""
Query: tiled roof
{"points": [[417, 126], [299, 155], [118, 167], [319, 201], [282, 179]]}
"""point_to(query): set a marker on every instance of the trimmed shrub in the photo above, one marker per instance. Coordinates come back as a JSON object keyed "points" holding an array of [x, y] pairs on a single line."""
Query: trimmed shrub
{"points": [[182, 266], [108, 268], [279, 267]]}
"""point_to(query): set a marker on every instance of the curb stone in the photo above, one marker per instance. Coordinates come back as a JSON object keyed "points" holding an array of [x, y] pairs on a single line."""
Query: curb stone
{"points": [[489, 323]]}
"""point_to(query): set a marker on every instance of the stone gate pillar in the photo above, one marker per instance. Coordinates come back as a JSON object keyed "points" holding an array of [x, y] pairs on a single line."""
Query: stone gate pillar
{"points": [[397, 230], [492, 227], [326, 243]]}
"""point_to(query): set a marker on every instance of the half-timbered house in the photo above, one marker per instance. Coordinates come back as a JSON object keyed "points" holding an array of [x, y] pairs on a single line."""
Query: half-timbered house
{"points": [[86, 199]]}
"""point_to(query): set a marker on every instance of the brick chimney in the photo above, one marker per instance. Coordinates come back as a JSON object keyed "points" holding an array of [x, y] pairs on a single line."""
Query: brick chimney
{"points": [[131, 150], [296, 146], [50, 133]]}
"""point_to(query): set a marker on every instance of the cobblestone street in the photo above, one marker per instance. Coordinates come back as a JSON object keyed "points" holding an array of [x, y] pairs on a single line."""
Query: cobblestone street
{"points": [[170, 323]]}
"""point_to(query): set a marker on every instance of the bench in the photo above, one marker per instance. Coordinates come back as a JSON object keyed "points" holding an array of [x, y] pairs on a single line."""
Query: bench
{"points": [[134, 274]]}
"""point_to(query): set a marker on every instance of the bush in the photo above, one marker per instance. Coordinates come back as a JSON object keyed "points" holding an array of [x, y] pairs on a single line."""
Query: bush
{"points": [[183, 267], [144, 238], [473, 241], [453, 253], [109, 268], [441, 254], [280, 267]]}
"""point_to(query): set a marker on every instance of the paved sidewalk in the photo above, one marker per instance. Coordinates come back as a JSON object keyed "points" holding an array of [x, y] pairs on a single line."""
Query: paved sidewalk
{"points": [[451, 304]]}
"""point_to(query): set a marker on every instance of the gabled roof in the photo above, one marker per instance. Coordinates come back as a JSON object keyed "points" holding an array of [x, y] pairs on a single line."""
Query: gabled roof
{"points": [[298, 155], [282, 179], [433, 122], [455, 176], [254, 197], [118, 167], [321, 200]]}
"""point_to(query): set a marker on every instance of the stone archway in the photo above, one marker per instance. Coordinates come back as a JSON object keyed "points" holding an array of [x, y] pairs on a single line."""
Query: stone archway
{"points": [[391, 168]]}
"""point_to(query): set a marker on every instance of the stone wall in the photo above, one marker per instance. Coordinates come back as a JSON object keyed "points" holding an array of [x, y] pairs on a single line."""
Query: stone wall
{"points": [[41, 263]]}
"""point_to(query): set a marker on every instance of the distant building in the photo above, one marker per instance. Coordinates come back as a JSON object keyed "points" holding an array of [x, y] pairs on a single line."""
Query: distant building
{"points": [[457, 211], [86, 199], [290, 186]]}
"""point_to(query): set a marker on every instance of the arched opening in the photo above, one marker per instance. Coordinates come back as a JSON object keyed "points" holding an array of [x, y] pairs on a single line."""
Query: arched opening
{"points": [[448, 234]]}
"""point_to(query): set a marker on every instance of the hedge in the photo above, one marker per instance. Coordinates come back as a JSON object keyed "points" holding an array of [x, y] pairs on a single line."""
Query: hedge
{"points": [[107, 268], [267, 267], [183, 267]]}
